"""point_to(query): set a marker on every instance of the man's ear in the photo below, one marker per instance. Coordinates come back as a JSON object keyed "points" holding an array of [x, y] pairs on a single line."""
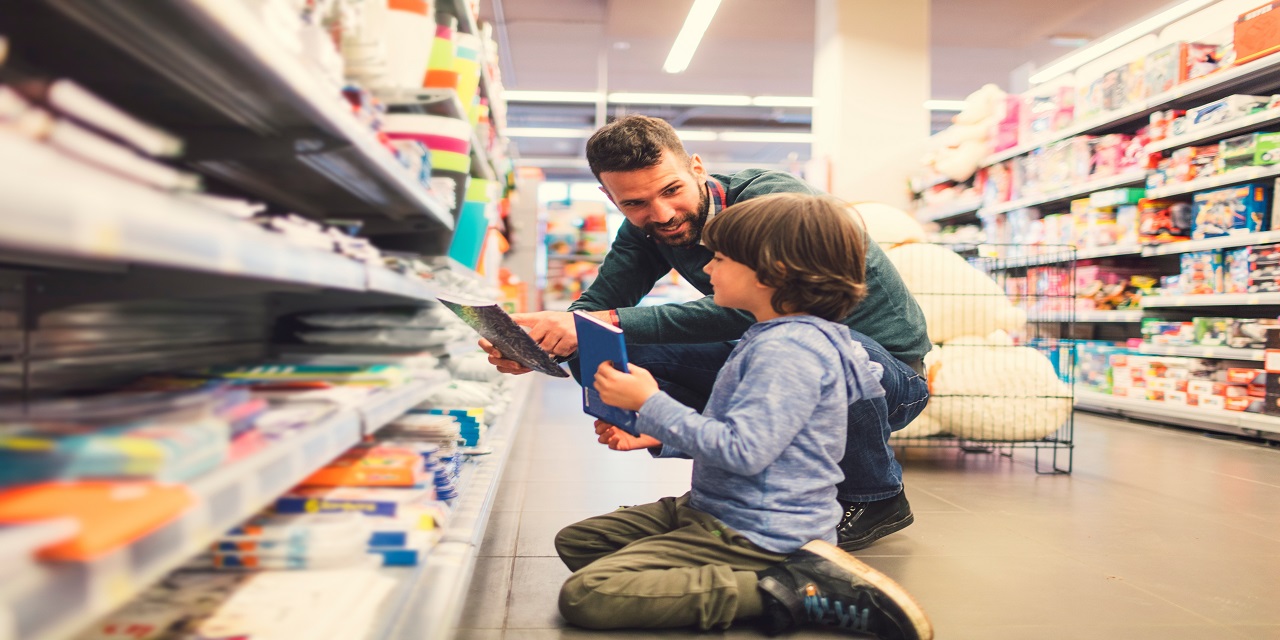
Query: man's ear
{"points": [[696, 167]]}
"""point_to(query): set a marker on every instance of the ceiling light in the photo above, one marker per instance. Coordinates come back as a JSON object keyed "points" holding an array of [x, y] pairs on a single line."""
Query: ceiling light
{"points": [[944, 105], [709, 99], [784, 101], [765, 136], [548, 132], [513, 95], [1069, 41], [696, 136], [1073, 61], [690, 35]]}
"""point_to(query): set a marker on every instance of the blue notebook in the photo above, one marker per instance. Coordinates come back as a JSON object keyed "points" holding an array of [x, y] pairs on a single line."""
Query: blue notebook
{"points": [[601, 342]]}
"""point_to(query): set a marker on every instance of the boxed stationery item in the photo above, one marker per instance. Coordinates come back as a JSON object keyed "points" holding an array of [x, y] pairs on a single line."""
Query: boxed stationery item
{"points": [[1257, 33], [1168, 333], [1163, 221], [1225, 110], [1202, 272], [1116, 197], [1230, 211]]}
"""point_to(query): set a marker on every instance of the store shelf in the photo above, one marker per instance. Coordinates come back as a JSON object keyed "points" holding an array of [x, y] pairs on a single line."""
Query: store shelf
{"points": [[1261, 74], [1088, 316], [1223, 353], [1060, 195], [467, 24], [252, 111], [65, 598], [428, 605], [1217, 132], [442, 102], [921, 185], [1214, 300], [949, 210], [1058, 258], [1180, 414], [1265, 237], [574, 257], [1246, 174]]}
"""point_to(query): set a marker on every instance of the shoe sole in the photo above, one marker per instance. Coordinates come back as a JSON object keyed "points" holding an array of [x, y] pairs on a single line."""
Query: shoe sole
{"points": [[914, 612], [877, 533]]}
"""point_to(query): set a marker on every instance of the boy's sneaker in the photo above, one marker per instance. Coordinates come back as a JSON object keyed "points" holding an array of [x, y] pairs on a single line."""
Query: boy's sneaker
{"points": [[865, 522], [822, 585]]}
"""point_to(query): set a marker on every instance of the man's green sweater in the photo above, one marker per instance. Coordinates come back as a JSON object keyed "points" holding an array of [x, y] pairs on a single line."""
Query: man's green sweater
{"points": [[888, 315]]}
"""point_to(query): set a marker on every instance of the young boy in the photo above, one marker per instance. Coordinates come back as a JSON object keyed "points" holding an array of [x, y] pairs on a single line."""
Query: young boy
{"points": [[754, 537]]}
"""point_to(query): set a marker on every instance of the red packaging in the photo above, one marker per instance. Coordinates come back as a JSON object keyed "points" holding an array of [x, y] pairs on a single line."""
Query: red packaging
{"points": [[1257, 33], [1244, 376], [1238, 404]]}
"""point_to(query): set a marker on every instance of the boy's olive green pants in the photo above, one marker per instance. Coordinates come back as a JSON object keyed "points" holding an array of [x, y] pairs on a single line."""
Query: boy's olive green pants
{"points": [[657, 565]]}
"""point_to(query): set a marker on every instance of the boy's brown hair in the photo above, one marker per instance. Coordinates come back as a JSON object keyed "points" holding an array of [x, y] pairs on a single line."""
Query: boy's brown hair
{"points": [[807, 247]]}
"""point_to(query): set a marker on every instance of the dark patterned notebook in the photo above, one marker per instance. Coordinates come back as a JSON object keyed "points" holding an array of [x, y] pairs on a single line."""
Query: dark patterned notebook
{"points": [[494, 325]]}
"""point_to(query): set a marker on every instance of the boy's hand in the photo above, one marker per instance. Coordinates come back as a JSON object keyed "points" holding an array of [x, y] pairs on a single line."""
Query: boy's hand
{"points": [[620, 440], [625, 390], [500, 361]]}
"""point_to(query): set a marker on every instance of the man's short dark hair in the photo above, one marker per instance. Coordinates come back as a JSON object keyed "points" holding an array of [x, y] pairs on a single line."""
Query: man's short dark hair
{"points": [[807, 247], [631, 143]]}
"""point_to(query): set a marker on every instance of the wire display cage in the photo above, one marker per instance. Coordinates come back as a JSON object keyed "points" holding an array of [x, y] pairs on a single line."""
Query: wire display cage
{"points": [[1001, 373]]}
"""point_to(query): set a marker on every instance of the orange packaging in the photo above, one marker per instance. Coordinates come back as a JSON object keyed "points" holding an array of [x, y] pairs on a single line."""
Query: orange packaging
{"points": [[1243, 376], [1257, 33], [111, 514], [1238, 404], [370, 467]]}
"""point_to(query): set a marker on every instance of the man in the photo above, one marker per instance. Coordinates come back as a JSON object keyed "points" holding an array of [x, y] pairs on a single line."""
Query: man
{"points": [[667, 196]]}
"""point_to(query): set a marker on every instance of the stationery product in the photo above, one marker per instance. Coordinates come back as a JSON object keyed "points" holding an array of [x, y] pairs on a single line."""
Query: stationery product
{"points": [[599, 342], [369, 467], [494, 325], [110, 515]]}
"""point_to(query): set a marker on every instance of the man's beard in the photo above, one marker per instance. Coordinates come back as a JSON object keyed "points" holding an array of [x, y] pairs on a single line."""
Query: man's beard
{"points": [[696, 221]]}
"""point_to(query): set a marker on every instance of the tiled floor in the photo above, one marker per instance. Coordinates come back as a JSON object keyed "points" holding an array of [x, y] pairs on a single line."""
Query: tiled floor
{"points": [[1158, 535]]}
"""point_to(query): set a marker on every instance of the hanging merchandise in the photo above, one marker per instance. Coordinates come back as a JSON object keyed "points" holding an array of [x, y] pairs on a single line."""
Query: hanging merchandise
{"points": [[441, 73], [449, 140]]}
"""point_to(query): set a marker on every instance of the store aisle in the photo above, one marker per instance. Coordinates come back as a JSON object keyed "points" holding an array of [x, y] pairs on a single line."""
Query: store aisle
{"points": [[1158, 534]]}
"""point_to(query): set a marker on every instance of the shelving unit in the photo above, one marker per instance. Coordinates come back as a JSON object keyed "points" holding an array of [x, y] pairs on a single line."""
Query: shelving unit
{"points": [[1068, 193], [575, 257], [1224, 242], [1238, 176], [1217, 132], [948, 211], [444, 102], [67, 597], [1218, 300], [1239, 422], [1224, 353], [1059, 258], [1089, 316]]}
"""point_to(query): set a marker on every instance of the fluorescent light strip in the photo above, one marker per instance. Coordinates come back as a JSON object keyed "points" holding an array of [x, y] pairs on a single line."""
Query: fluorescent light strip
{"points": [[695, 25], [513, 95], [705, 99], [548, 132], [784, 101], [1111, 43], [764, 136], [696, 136], [944, 105]]}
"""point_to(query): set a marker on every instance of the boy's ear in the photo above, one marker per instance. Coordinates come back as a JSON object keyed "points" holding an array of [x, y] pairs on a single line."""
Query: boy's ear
{"points": [[782, 272]]}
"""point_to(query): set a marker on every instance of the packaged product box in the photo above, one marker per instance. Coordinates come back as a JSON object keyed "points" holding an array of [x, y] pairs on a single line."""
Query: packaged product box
{"points": [[1200, 59], [1202, 272], [1168, 333], [1230, 211], [1271, 364], [1127, 225], [1245, 375], [1162, 221], [1257, 33], [1224, 110], [1238, 152], [1162, 69], [1243, 404], [1213, 402], [1267, 149], [1115, 88], [1175, 397], [1089, 99], [1211, 332], [1235, 277], [1116, 197], [1204, 388], [1250, 333]]}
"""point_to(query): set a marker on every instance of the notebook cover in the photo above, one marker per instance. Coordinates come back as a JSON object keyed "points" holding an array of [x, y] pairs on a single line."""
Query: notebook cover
{"points": [[599, 342], [494, 325]]}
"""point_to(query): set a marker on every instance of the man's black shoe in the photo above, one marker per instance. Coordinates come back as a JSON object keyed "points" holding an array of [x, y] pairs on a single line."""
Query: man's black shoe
{"points": [[822, 585], [865, 522]]}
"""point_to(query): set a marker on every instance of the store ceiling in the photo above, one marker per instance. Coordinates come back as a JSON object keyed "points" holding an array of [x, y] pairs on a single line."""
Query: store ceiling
{"points": [[754, 47]]}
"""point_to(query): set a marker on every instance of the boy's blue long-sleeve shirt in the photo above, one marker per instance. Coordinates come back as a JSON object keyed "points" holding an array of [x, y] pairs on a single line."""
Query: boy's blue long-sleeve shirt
{"points": [[766, 448]]}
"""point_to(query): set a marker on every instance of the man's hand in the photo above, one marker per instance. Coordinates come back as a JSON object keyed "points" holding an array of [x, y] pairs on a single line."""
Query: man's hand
{"points": [[554, 330], [625, 390], [620, 440], [500, 361]]}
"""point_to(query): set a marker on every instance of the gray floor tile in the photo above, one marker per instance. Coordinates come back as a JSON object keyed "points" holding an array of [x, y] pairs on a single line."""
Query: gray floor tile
{"points": [[535, 588], [479, 634], [598, 496], [1257, 632], [510, 496], [1228, 588], [949, 534], [538, 530], [1087, 631], [500, 534], [487, 598]]}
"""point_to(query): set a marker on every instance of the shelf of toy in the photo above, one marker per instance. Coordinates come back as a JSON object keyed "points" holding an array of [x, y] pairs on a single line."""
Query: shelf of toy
{"points": [[253, 111], [429, 604], [1237, 176], [1240, 422], [920, 185], [1264, 72], [949, 210], [1197, 351], [1061, 257], [1131, 315], [574, 257], [66, 597], [1212, 300], [1217, 132], [1068, 193], [1224, 242]]}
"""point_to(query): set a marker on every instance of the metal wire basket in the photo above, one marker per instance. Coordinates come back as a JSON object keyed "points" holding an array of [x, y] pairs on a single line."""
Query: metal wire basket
{"points": [[1002, 369]]}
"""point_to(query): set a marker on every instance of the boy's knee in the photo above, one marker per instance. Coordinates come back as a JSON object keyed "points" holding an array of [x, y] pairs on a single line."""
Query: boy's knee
{"points": [[569, 542], [576, 606]]}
